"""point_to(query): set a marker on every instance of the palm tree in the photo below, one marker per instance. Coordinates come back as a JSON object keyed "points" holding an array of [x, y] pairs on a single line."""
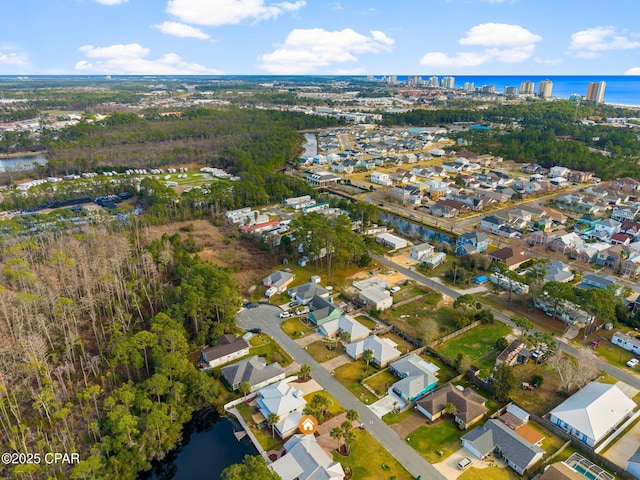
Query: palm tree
{"points": [[367, 357], [450, 408], [272, 419], [305, 371], [336, 433], [349, 438], [353, 415], [244, 389]]}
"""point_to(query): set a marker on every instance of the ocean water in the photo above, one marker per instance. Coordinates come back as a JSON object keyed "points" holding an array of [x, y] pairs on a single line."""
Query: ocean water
{"points": [[620, 89]]}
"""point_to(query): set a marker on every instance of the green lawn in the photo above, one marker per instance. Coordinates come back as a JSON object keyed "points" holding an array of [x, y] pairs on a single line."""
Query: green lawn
{"points": [[392, 417], [613, 354], [489, 473], [369, 460], [350, 376], [321, 353], [421, 319], [366, 321], [295, 328], [445, 373], [262, 435], [264, 346], [334, 409], [478, 344], [382, 381], [402, 344], [441, 437]]}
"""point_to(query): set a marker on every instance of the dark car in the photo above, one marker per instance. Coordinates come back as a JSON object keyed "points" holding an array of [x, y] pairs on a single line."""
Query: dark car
{"points": [[254, 330], [251, 305]]}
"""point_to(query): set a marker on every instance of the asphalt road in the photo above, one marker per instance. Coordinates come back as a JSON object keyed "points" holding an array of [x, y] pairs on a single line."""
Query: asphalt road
{"points": [[619, 373], [266, 318]]}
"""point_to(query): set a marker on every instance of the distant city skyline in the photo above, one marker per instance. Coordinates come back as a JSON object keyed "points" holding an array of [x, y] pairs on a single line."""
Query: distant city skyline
{"points": [[302, 37]]}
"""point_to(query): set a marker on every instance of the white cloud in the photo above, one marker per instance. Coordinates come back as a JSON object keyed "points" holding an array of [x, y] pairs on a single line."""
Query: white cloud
{"points": [[11, 58], [633, 71], [335, 6], [503, 43], [131, 59], [310, 50], [548, 61], [590, 43], [181, 30], [110, 2], [228, 12], [499, 35]]}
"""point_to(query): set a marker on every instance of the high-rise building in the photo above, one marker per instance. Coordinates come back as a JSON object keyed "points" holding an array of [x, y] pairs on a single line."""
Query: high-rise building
{"points": [[414, 80], [392, 79], [527, 87], [595, 92], [510, 90], [469, 87], [488, 89], [448, 82], [433, 82], [545, 89]]}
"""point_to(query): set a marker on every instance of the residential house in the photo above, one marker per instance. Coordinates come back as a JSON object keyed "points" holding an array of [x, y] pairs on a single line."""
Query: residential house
{"points": [[576, 467], [469, 405], [626, 341], [516, 352], [631, 228], [472, 242], [384, 350], [604, 282], [446, 208], [422, 172], [623, 213], [285, 401], [344, 323], [377, 298], [493, 223], [628, 184], [403, 176], [495, 436], [406, 194], [621, 239], [580, 177], [566, 243], [341, 167], [512, 257], [559, 171], [491, 197], [228, 348], [391, 241], [381, 178], [557, 271], [293, 202], [593, 412], [421, 251], [253, 370], [631, 265], [417, 377], [437, 259], [321, 178], [322, 310], [437, 188], [278, 280], [613, 256], [605, 229], [305, 459], [587, 252], [306, 292], [531, 187]]}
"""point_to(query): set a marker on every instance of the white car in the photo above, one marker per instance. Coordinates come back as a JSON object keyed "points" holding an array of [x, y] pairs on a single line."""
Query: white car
{"points": [[285, 314], [633, 362]]}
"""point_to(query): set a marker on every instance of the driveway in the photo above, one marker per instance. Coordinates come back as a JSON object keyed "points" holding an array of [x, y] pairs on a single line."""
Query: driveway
{"points": [[331, 365], [308, 339], [266, 318], [624, 447], [387, 404]]}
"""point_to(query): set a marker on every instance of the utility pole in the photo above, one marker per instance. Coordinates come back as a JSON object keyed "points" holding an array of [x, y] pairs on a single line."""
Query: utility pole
{"points": [[455, 275]]}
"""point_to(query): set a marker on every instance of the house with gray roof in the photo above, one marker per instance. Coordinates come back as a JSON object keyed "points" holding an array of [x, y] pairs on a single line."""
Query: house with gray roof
{"points": [[496, 436], [278, 280], [322, 310], [633, 464], [304, 293], [304, 459], [417, 377], [344, 323], [593, 412], [228, 348], [384, 350], [558, 271], [285, 401], [253, 370], [469, 405]]}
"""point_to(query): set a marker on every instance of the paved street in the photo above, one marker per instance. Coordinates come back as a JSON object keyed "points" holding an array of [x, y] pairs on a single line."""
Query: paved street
{"points": [[627, 377], [266, 318]]}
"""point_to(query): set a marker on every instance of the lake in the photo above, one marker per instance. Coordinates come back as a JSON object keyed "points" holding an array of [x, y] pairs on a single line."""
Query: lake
{"points": [[208, 447], [21, 163]]}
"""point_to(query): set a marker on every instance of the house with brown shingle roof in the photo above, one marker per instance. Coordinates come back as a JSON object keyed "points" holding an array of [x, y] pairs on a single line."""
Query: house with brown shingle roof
{"points": [[512, 257], [469, 405], [228, 348]]}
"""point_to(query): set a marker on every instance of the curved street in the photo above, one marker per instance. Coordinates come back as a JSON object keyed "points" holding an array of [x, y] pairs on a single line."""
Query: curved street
{"points": [[266, 318]]}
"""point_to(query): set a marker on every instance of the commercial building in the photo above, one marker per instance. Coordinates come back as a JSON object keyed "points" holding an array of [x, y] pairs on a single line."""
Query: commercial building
{"points": [[545, 89], [595, 92], [527, 87], [448, 82]]}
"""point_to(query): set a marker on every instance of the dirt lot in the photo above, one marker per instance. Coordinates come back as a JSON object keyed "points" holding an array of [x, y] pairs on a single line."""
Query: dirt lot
{"points": [[221, 246]]}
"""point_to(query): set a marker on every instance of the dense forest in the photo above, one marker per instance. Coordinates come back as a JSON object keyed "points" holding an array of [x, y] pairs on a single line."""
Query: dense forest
{"points": [[97, 333], [548, 133]]}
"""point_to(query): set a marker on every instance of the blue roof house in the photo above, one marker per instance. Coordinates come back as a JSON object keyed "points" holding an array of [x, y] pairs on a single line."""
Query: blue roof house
{"points": [[472, 242]]}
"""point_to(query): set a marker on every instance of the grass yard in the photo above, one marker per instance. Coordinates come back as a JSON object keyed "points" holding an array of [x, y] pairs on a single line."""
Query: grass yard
{"points": [[420, 318], [350, 375], [321, 353], [443, 436], [366, 321], [335, 408], [393, 417], [445, 373], [262, 435], [370, 460], [478, 344], [545, 397], [403, 345], [295, 328], [613, 354], [489, 473], [264, 346], [551, 443], [381, 381]]}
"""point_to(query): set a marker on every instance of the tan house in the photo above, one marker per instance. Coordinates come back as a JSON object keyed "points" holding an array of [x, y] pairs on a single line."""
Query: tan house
{"points": [[469, 405]]}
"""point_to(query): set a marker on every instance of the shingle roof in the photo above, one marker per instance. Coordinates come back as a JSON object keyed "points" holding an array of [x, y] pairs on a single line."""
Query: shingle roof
{"points": [[227, 344], [469, 405], [307, 291], [253, 370]]}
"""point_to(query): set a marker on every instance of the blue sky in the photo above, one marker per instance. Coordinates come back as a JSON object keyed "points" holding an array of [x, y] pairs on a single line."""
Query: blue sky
{"points": [[249, 37]]}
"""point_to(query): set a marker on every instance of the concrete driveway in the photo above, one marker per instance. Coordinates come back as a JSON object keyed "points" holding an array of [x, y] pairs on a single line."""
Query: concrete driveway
{"points": [[449, 466], [308, 339], [386, 404], [331, 365], [624, 447]]}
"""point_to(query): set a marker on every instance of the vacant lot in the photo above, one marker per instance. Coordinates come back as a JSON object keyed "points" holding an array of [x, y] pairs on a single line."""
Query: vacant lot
{"points": [[222, 246], [382, 381], [424, 317], [545, 397], [351, 375], [295, 328], [437, 441], [323, 350]]}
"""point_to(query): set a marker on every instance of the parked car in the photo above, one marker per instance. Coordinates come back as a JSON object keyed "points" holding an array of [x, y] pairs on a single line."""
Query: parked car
{"points": [[254, 330], [633, 362], [464, 463], [285, 314], [302, 310], [294, 303], [394, 290]]}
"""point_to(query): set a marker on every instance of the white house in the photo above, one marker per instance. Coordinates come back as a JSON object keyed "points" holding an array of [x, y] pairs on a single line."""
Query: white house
{"points": [[285, 401], [384, 350], [626, 341], [593, 412], [558, 171], [344, 323], [306, 460], [228, 348], [278, 280], [381, 179], [375, 297], [420, 252], [391, 241]]}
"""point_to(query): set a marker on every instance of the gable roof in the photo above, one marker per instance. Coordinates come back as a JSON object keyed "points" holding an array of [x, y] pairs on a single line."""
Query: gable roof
{"points": [[345, 323], [278, 278], [495, 434], [307, 291], [253, 370], [281, 398], [510, 256], [383, 349], [322, 308], [595, 409], [227, 344], [469, 405], [306, 460]]}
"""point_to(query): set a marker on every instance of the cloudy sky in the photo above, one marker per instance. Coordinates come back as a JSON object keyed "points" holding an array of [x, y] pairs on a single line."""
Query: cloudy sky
{"points": [[377, 37]]}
